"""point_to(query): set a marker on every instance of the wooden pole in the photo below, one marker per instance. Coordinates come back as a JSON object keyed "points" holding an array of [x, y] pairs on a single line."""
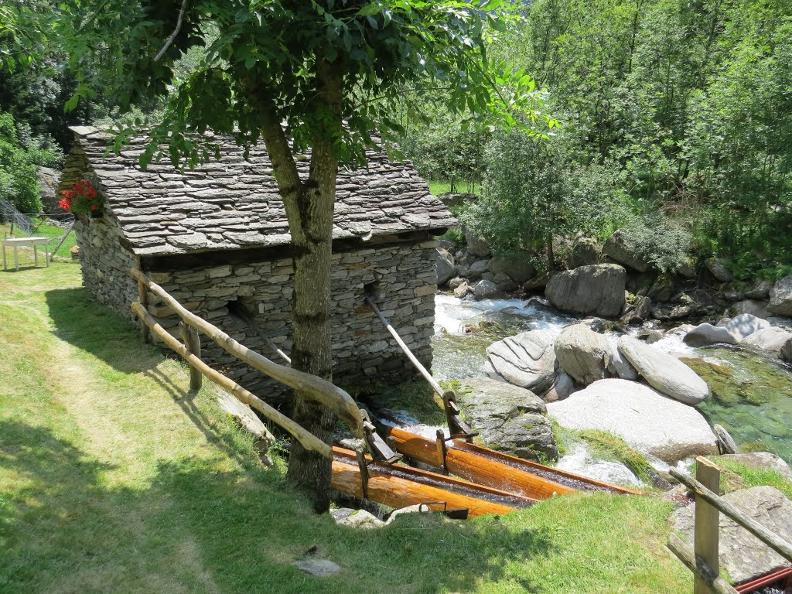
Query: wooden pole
{"points": [[316, 388], [308, 440], [424, 372], [192, 342], [706, 526], [775, 542], [685, 554]]}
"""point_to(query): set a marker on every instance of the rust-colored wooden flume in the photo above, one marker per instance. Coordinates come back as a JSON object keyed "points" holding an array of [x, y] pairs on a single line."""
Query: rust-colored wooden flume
{"points": [[400, 486], [495, 469]]}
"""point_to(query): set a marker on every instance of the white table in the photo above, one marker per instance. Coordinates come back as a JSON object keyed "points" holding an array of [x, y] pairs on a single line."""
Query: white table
{"points": [[33, 242]]}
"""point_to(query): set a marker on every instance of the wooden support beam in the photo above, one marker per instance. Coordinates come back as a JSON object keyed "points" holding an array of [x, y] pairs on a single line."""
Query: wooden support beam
{"points": [[192, 342], [142, 297], [775, 542], [706, 527], [701, 570], [315, 388], [308, 440]]}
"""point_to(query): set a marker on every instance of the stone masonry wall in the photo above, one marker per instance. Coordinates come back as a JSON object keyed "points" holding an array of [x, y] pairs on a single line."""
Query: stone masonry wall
{"points": [[252, 302], [105, 263]]}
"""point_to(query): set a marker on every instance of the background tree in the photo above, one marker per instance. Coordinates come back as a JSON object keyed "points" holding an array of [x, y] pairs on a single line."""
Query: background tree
{"points": [[319, 75]]}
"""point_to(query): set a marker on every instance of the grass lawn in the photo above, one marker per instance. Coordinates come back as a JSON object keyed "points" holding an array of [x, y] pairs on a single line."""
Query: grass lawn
{"points": [[113, 479]]}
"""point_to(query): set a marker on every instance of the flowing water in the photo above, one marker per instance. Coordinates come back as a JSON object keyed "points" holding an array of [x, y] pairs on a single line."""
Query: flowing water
{"points": [[751, 391]]}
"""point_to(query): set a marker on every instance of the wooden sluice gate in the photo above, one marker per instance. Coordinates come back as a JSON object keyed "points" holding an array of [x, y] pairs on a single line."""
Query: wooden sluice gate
{"points": [[486, 482]]}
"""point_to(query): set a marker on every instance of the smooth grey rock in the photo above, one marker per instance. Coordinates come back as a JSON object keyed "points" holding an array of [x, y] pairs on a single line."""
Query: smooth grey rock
{"points": [[717, 266], [526, 360], [517, 267], [761, 290], [663, 372], [781, 297], [750, 306], [726, 444], [455, 282], [762, 460], [620, 249], [597, 290], [742, 554], [644, 418], [618, 366], [485, 289], [639, 310], [705, 334], [581, 461], [446, 268], [318, 567], [744, 325], [356, 518], [770, 339], [585, 251], [786, 351], [562, 387], [582, 353], [476, 245], [478, 268], [508, 418], [461, 290]]}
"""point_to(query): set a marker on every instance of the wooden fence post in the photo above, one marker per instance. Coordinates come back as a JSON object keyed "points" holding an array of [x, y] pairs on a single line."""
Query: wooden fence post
{"points": [[706, 527], [192, 342], [143, 300]]}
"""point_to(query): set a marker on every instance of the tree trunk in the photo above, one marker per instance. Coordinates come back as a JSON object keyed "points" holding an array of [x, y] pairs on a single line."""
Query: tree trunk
{"points": [[309, 208]]}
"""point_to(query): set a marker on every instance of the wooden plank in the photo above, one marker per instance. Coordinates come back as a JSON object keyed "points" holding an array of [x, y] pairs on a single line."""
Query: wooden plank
{"points": [[476, 468], [308, 440], [775, 542], [701, 571], [395, 491], [706, 528], [313, 387]]}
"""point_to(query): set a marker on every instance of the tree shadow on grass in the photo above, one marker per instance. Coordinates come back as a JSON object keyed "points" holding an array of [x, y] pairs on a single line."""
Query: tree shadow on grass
{"points": [[97, 329], [191, 527]]}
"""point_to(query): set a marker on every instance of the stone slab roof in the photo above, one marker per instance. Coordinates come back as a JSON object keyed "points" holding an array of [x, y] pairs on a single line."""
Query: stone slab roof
{"points": [[233, 202]]}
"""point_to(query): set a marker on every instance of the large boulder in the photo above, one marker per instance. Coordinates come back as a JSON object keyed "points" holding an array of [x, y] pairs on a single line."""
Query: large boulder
{"points": [[584, 252], [781, 297], [750, 306], [526, 360], [517, 267], [645, 419], [621, 249], [478, 268], [663, 372], [705, 334], [742, 554], [718, 269], [508, 418], [476, 245], [596, 289], [446, 267], [562, 387], [770, 339], [744, 325], [485, 289], [583, 353]]}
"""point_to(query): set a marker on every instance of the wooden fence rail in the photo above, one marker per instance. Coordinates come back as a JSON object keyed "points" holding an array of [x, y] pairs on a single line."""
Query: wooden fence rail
{"points": [[703, 560], [315, 388], [308, 440]]}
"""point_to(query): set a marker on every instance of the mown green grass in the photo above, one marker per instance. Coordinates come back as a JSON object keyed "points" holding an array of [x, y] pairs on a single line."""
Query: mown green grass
{"points": [[747, 476], [114, 479]]}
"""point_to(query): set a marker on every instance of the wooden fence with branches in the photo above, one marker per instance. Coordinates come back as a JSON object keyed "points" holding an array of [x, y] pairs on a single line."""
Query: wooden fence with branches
{"points": [[703, 558]]}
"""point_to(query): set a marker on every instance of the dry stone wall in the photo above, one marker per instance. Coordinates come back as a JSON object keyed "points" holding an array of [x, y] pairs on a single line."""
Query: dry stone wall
{"points": [[252, 302]]}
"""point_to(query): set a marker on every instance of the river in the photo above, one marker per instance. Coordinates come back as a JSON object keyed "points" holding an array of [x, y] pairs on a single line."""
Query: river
{"points": [[751, 391]]}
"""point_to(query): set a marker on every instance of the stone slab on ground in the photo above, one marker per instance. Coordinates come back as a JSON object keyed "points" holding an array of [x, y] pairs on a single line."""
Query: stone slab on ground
{"points": [[742, 554]]}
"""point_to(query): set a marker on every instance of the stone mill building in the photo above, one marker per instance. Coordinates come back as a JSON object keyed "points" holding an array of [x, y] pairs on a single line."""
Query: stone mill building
{"points": [[216, 237]]}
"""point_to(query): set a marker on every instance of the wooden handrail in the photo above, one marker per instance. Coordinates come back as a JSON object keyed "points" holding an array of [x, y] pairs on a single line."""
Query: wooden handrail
{"points": [[308, 440], [702, 571], [775, 542], [316, 388]]}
